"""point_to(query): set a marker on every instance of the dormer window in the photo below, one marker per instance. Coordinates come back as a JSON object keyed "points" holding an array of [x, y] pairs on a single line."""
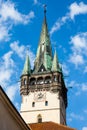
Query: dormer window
{"points": [[42, 68]]}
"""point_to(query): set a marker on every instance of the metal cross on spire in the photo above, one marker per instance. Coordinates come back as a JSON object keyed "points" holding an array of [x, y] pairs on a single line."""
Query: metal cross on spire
{"points": [[45, 8]]}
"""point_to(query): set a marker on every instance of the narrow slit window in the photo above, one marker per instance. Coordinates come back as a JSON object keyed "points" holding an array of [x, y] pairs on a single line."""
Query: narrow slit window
{"points": [[46, 103], [33, 104]]}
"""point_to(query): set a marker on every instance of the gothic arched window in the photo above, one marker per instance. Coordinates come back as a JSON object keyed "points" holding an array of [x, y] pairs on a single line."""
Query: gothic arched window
{"points": [[40, 80], [47, 80], [32, 81], [39, 118]]}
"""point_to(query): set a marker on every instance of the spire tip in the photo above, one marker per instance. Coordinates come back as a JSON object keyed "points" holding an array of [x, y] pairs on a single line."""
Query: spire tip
{"points": [[45, 8]]}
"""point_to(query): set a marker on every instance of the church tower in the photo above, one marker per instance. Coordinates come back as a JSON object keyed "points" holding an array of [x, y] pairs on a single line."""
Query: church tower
{"points": [[43, 91]]}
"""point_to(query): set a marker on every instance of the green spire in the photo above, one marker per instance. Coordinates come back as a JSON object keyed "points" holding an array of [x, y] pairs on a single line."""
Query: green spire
{"points": [[55, 64], [27, 68], [44, 51]]}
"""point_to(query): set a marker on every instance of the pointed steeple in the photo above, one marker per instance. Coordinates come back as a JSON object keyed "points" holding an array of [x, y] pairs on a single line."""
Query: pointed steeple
{"points": [[55, 64], [27, 68], [44, 51]]}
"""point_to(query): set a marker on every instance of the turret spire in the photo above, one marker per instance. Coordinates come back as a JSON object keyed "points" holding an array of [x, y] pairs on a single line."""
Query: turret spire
{"points": [[55, 64], [27, 68]]}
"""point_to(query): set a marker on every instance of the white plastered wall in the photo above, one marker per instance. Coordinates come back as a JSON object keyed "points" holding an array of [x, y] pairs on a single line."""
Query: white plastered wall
{"points": [[51, 112]]}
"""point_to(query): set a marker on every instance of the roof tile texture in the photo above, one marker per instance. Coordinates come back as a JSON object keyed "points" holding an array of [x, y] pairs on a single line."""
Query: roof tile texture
{"points": [[49, 126]]}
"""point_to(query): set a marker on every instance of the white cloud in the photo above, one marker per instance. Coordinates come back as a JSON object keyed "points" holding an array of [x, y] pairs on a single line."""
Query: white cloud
{"points": [[8, 74], [79, 49], [57, 25], [84, 87], [21, 51], [6, 68], [5, 75], [78, 93], [85, 111], [76, 9], [11, 91], [8, 11], [79, 88], [8, 61], [79, 42], [9, 16], [65, 69], [85, 70], [76, 59], [18, 49], [35, 1], [76, 116], [4, 33], [84, 128], [73, 84]]}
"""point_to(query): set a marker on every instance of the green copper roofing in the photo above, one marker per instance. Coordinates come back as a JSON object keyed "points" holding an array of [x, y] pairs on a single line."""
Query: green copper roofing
{"points": [[47, 61], [27, 68], [55, 64], [44, 51]]}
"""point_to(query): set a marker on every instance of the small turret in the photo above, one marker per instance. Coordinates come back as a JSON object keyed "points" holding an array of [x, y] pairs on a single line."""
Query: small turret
{"points": [[25, 77], [55, 64], [27, 68]]}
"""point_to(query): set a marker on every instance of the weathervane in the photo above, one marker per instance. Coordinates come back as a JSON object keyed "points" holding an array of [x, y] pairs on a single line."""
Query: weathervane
{"points": [[45, 8]]}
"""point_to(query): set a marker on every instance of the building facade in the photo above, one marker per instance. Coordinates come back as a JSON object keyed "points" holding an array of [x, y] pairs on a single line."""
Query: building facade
{"points": [[10, 118], [43, 91]]}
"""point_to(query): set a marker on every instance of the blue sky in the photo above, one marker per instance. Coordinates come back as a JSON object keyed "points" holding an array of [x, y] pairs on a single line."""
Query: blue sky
{"points": [[20, 26]]}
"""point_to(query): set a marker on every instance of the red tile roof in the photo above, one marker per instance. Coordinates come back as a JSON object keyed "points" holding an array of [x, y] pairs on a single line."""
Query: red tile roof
{"points": [[49, 126]]}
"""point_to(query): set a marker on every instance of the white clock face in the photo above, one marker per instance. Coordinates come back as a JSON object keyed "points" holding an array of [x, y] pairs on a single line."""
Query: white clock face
{"points": [[40, 96]]}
